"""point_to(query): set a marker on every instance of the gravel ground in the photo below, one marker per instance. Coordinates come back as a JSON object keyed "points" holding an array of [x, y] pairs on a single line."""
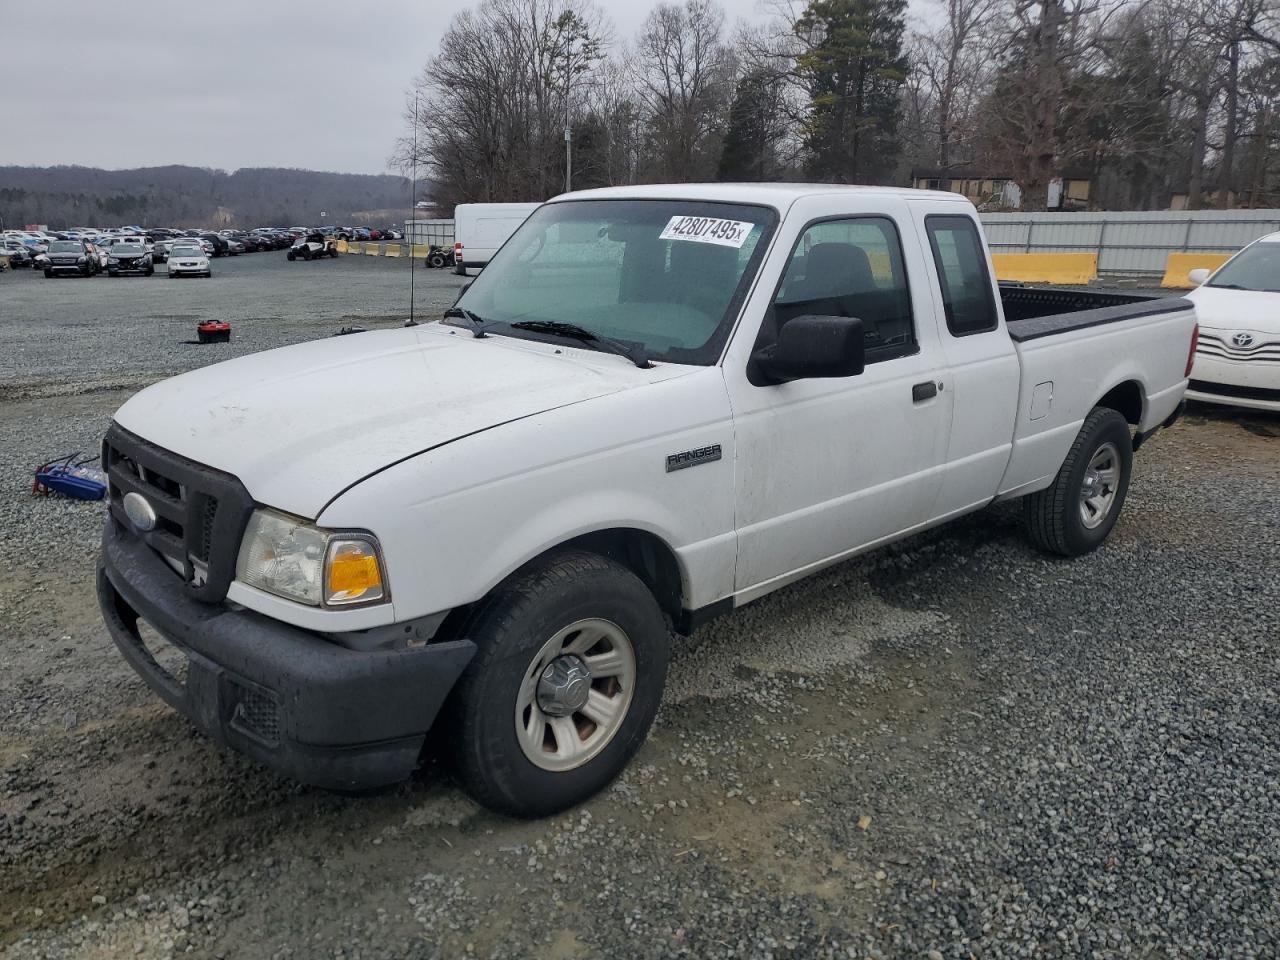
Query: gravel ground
{"points": [[70, 335], [953, 748]]}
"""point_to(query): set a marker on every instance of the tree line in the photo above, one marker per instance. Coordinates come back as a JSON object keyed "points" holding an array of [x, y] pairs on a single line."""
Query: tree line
{"points": [[1145, 98], [180, 196]]}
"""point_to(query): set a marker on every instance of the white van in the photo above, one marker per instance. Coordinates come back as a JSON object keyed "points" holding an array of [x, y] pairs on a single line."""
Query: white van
{"points": [[479, 229]]}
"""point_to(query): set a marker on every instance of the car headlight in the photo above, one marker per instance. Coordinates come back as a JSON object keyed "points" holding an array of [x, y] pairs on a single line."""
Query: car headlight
{"points": [[295, 559]]}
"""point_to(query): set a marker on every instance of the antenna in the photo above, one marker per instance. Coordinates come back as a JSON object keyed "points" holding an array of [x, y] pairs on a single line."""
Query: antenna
{"points": [[412, 223]]}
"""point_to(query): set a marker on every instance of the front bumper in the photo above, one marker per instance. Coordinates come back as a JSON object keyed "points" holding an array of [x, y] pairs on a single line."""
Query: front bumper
{"points": [[304, 706]]}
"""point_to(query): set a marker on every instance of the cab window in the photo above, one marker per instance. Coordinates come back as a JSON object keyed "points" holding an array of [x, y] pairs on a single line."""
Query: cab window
{"points": [[962, 274], [849, 268]]}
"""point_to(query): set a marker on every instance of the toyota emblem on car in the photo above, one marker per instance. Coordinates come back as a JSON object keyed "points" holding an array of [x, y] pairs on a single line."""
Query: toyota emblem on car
{"points": [[1242, 340]]}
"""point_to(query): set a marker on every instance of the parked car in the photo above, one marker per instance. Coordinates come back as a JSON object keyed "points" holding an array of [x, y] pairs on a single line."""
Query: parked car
{"points": [[1238, 357], [129, 255], [187, 258], [234, 247], [481, 228], [71, 257], [656, 404], [16, 252], [220, 246]]}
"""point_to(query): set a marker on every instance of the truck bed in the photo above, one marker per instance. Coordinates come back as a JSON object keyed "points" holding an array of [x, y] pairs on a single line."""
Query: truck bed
{"points": [[1075, 347], [1033, 312]]}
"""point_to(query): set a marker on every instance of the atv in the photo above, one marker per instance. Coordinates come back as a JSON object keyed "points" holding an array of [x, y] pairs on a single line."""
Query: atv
{"points": [[439, 256], [311, 246]]}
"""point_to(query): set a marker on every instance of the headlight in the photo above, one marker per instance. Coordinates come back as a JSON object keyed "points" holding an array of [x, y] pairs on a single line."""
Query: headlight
{"points": [[298, 560], [113, 260]]}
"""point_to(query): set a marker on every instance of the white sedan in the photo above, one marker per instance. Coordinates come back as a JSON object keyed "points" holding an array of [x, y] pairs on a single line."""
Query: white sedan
{"points": [[188, 259], [1238, 305]]}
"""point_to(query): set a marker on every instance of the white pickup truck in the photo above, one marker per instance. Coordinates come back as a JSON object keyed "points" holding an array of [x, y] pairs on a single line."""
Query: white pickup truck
{"points": [[655, 405]]}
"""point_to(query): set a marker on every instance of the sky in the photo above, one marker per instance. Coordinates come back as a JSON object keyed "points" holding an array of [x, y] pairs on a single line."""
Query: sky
{"points": [[236, 83]]}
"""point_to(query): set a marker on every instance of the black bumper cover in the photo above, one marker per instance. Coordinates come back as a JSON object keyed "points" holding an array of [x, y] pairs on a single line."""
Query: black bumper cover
{"points": [[308, 708]]}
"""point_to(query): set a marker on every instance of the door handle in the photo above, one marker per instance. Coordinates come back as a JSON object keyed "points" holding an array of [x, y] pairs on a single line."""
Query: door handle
{"points": [[924, 391]]}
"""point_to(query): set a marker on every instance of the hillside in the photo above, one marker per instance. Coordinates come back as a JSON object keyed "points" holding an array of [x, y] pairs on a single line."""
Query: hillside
{"points": [[192, 196]]}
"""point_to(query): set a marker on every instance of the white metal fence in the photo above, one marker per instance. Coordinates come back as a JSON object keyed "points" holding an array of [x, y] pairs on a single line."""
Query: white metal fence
{"points": [[435, 232], [1128, 243]]}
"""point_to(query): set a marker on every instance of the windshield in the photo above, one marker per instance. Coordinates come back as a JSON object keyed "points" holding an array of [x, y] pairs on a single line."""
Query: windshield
{"points": [[186, 250], [1255, 268], [667, 275], [65, 246], [126, 248]]}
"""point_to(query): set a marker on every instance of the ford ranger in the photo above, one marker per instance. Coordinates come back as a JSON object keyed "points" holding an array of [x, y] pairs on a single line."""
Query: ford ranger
{"points": [[655, 405]]}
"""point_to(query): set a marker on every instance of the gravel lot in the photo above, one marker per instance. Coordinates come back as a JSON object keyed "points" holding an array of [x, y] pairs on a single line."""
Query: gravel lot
{"points": [[955, 748]]}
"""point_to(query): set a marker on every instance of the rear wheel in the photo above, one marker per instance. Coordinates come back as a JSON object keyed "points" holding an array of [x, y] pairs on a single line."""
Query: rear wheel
{"points": [[568, 677], [1076, 513]]}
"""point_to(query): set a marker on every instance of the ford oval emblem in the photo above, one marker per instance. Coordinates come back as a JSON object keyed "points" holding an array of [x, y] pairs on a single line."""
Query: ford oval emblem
{"points": [[140, 513]]}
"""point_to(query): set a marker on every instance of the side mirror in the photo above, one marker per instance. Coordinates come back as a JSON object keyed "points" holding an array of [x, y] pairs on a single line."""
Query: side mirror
{"points": [[811, 347], [1198, 276]]}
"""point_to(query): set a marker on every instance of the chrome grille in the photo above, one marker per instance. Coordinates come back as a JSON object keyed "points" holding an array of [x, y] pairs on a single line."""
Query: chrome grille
{"points": [[1221, 348]]}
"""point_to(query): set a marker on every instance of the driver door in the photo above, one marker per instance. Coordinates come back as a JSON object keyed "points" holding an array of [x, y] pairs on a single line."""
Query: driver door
{"points": [[826, 467]]}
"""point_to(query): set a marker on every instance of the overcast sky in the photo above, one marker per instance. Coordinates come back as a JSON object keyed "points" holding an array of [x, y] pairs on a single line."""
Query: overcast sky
{"points": [[234, 83]]}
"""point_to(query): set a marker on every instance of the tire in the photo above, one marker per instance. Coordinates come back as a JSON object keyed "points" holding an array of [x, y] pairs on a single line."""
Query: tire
{"points": [[333, 252], [1061, 519], [150, 271], [568, 598], [289, 256], [436, 260], [460, 271], [48, 274]]}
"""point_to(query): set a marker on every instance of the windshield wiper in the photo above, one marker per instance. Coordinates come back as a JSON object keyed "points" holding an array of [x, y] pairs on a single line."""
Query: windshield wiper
{"points": [[1226, 286], [478, 324], [556, 328]]}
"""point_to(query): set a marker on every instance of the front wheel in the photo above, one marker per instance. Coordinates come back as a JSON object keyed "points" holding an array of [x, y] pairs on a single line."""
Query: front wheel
{"points": [[569, 673], [289, 256], [48, 274], [1076, 513]]}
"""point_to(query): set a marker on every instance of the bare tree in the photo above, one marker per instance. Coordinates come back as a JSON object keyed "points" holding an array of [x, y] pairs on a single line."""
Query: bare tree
{"points": [[496, 96], [952, 63], [685, 79]]}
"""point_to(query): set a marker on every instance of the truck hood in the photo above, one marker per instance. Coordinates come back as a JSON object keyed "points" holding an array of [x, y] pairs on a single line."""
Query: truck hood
{"points": [[299, 425]]}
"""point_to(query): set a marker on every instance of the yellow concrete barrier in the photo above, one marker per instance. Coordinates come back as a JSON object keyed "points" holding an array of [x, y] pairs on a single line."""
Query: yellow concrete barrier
{"points": [[1067, 268], [1180, 264], [393, 250], [342, 246], [421, 251], [372, 250]]}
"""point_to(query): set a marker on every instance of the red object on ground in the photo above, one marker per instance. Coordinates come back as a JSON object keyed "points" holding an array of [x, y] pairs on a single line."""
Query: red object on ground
{"points": [[215, 331]]}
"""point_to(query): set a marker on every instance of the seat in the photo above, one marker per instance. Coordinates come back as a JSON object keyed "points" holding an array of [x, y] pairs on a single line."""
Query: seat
{"points": [[832, 270]]}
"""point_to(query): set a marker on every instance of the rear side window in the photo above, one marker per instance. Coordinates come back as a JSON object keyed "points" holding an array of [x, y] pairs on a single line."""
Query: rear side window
{"points": [[962, 275]]}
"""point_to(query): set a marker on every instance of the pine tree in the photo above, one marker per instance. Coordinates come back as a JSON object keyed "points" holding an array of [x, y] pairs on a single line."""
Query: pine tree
{"points": [[755, 127], [854, 68]]}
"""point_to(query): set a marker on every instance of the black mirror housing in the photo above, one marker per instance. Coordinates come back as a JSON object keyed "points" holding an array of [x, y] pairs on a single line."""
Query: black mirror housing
{"points": [[811, 347]]}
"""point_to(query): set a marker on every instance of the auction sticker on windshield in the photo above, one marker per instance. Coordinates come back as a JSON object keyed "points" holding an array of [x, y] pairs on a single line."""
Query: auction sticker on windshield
{"points": [[725, 233]]}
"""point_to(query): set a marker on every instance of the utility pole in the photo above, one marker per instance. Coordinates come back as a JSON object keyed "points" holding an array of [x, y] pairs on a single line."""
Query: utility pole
{"points": [[568, 126], [411, 222]]}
